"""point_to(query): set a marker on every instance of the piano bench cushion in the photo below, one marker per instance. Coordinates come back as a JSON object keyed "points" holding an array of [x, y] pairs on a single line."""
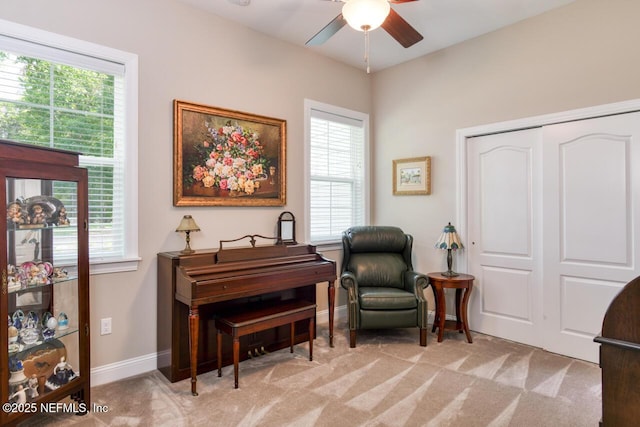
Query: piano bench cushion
{"points": [[246, 322], [382, 298]]}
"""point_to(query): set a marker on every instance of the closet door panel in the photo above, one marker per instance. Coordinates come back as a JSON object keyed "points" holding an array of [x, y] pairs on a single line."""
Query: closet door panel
{"points": [[504, 235], [591, 191]]}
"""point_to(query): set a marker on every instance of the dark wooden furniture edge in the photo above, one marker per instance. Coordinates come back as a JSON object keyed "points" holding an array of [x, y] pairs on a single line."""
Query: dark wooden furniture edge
{"points": [[620, 358], [617, 343]]}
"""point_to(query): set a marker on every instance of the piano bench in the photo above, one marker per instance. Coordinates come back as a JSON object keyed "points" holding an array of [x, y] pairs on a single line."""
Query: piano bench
{"points": [[239, 324]]}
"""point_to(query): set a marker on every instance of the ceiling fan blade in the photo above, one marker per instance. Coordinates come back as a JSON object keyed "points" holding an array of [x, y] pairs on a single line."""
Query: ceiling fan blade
{"points": [[329, 30], [401, 30]]}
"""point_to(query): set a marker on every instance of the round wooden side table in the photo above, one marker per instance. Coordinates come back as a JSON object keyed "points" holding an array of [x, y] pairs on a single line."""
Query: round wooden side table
{"points": [[461, 282]]}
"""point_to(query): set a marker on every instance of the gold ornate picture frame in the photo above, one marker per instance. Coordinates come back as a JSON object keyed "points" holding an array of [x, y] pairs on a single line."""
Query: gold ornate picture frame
{"points": [[227, 158], [412, 176]]}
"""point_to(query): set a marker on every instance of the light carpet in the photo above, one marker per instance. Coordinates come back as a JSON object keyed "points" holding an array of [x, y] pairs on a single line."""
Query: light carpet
{"points": [[387, 380]]}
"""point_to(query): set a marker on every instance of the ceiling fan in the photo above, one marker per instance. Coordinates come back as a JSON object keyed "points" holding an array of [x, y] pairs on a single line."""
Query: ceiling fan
{"points": [[356, 14]]}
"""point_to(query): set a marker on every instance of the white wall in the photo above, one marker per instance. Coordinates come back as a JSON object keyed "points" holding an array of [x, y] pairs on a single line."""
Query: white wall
{"points": [[187, 54], [580, 55]]}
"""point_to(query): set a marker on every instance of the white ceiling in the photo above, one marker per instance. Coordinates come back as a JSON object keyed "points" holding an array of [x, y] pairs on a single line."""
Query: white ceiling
{"points": [[441, 22]]}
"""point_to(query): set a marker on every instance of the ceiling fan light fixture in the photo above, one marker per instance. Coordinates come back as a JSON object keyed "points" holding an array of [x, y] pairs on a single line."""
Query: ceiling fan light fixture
{"points": [[365, 14]]}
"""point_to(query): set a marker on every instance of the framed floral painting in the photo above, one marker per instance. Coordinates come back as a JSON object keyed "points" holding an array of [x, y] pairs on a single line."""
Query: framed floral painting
{"points": [[227, 158], [412, 176]]}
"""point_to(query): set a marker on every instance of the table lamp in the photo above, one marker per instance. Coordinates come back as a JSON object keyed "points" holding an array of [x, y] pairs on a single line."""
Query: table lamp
{"points": [[450, 241], [187, 224]]}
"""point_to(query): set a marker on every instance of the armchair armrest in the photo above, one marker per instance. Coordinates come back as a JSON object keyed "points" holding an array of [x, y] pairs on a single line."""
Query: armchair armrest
{"points": [[416, 282], [349, 282]]}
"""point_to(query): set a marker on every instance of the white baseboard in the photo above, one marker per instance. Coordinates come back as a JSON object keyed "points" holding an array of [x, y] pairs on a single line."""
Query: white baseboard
{"points": [[339, 314], [139, 365], [125, 368]]}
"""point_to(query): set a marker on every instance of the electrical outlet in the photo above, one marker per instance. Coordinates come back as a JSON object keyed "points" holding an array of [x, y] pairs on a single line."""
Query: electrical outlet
{"points": [[105, 326]]}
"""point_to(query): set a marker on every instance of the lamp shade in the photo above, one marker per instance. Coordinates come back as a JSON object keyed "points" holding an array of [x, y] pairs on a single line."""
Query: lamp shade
{"points": [[365, 14], [188, 224], [449, 239]]}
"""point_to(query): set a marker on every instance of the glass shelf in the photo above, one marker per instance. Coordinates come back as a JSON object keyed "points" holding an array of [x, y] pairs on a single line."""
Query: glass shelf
{"points": [[32, 288], [15, 348], [33, 227]]}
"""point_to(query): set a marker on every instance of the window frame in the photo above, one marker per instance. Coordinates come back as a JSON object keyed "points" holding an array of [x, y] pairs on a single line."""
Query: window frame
{"points": [[130, 259], [310, 105]]}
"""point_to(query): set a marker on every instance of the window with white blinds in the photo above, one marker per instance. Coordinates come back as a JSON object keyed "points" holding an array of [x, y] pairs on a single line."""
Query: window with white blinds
{"points": [[56, 96], [337, 171]]}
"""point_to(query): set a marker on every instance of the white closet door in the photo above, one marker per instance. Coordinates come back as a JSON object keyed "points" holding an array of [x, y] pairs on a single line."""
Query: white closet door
{"points": [[591, 187], [504, 235], [554, 220]]}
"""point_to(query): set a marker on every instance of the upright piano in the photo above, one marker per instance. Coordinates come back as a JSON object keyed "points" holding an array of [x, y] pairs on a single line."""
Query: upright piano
{"points": [[193, 287]]}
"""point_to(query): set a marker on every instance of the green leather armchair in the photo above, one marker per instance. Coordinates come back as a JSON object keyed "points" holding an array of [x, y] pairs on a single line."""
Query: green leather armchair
{"points": [[383, 289]]}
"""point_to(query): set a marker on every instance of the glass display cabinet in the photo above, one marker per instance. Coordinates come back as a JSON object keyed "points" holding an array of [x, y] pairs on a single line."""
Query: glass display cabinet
{"points": [[44, 349]]}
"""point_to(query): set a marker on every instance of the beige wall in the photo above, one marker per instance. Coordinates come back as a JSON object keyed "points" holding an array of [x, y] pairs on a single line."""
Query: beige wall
{"points": [[584, 54], [190, 55]]}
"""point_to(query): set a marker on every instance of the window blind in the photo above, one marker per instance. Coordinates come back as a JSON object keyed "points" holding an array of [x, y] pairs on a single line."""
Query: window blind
{"points": [[337, 171], [61, 99]]}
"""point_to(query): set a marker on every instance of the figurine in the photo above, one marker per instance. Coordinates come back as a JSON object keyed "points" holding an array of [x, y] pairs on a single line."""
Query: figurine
{"points": [[63, 321], [15, 215], [49, 325], [33, 386], [36, 275], [62, 216], [29, 335], [47, 267], [38, 215], [32, 319], [18, 318], [13, 334], [52, 323], [48, 334], [45, 316], [19, 274], [62, 374], [59, 273], [17, 371], [13, 284], [20, 394]]}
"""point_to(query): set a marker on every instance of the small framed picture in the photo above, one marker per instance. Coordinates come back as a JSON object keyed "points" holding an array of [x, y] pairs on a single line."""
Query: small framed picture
{"points": [[412, 176]]}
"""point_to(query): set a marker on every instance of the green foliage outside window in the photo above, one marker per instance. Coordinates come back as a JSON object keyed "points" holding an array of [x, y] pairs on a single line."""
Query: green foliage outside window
{"points": [[60, 106]]}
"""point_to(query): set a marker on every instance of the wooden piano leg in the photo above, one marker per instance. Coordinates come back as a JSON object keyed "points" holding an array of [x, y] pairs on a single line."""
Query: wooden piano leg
{"points": [[236, 359], [219, 344], [311, 336], [332, 303], [194, 322]]}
